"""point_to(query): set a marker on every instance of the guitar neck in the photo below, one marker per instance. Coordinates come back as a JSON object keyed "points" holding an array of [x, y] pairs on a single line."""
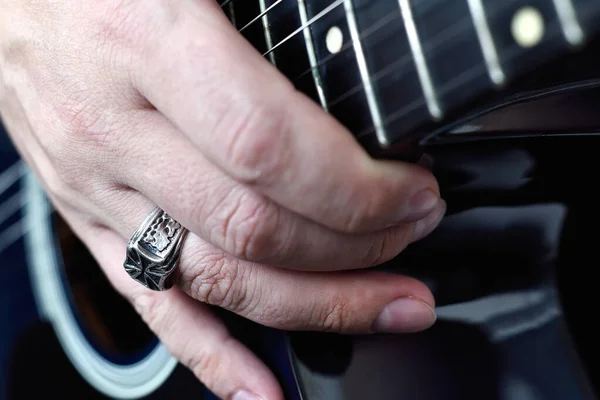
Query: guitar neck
{"points": [[389, 68]]}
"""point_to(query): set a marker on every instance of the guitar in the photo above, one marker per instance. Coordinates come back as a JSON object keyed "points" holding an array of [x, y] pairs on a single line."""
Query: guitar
{"points": [[457, 79]]}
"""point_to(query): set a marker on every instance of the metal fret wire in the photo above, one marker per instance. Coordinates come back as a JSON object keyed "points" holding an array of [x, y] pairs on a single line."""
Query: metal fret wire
{"points": [[430, 45], [311, 21], [464, 78], [445, 35], [381, 23]]}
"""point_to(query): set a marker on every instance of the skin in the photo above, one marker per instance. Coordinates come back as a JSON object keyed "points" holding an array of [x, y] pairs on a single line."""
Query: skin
{"points": [[118, 105]]}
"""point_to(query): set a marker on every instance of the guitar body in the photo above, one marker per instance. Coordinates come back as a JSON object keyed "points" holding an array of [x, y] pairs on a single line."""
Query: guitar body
{"points": [[510, 119]]}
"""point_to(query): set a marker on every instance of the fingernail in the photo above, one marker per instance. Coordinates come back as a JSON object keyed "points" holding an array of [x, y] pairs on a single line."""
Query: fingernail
{"points": [[405, 315], [244, 395], [421, 205], [426, 225]]}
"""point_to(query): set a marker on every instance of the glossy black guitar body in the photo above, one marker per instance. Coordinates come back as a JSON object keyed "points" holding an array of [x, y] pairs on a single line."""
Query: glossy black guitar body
{"points": [[514, 139]]}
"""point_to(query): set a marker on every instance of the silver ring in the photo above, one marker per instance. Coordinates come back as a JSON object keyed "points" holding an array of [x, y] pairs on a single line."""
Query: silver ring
{"points": [[154, 249]]}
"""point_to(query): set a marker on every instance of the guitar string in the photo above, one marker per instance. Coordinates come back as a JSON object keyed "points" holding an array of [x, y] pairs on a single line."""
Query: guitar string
{"points": [[382, 22], [308, 23], [390, 68], [19, 228], [379, 24], [278, 2], [429, 45], [432, 44], [393, 66], [259, 16], [460, 80], [323, 13], [463, 78]]}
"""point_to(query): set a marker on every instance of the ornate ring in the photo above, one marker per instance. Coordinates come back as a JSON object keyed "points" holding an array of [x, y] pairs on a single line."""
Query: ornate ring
{"points": [[154, 249]]}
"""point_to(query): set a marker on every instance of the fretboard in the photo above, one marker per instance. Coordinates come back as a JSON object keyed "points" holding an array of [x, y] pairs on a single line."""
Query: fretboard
{"points": [[389, 68]]}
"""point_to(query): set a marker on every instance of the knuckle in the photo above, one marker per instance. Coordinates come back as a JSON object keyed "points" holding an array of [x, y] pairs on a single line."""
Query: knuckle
{"points": [[384, 246], [336, 316], [87, 142], [216, 282], [256, 145], [83, 120], [248, 228], [368, 202], [148, 306], [206, 365]]}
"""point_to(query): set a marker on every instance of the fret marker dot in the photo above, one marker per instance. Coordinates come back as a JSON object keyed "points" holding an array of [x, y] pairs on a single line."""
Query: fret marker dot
{"points": [[334, 40], [527, 27]]}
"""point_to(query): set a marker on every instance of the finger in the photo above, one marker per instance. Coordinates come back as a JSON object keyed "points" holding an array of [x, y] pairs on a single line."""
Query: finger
{"points": [[346, 302], [188, 329], [160, 163], [245, 117], [357, 302]]}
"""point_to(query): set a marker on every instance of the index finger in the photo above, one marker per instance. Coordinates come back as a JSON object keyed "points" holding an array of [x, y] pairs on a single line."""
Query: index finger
{"points": [[249, 120]]}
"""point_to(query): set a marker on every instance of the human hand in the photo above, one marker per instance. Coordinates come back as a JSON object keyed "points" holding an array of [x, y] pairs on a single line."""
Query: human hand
{"points": [[121, 105]]}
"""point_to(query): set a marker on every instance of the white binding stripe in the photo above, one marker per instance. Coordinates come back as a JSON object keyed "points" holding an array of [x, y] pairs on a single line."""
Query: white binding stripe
{"points": [[568, 21], [364, 75], [417, 52], [485, 41], [265, 24], [312, 57], [118, 381]]}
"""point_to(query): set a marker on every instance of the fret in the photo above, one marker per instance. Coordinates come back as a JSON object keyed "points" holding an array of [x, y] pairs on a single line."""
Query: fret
{"points": [[587, 13], [365, 75], [394, 75], [267, 32], [292, 56], [230, 11], [342, 83], [419, 59], [393, 68], [525, 36], [568, 20], [486, 42], [458, 59], [452, 49], [312, 55], [242, 13]]}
